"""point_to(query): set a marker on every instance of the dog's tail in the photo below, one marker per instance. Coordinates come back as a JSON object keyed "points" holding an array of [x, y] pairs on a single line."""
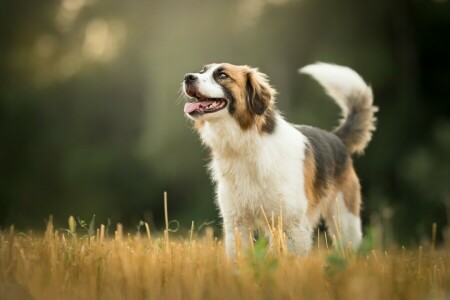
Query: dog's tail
{"points": [[354, 97]]}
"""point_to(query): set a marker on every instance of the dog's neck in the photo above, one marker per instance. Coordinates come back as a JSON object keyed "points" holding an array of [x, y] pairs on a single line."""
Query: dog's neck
{"points": [[225, 137]]}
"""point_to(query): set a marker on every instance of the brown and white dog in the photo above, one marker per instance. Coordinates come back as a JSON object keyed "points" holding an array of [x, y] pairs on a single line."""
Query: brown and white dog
{"points": [[259, 160]]}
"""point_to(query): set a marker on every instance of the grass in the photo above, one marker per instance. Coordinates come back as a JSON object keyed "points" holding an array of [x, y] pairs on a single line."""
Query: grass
{"points": [[83, 263], [64, 265]]}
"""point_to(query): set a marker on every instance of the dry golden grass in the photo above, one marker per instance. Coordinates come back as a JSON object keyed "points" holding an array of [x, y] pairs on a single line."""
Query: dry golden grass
{"points": [[62, 265]]}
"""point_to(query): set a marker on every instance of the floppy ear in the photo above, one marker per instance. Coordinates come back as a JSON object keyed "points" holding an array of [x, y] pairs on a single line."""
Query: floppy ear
{"points": [[259, 92]]}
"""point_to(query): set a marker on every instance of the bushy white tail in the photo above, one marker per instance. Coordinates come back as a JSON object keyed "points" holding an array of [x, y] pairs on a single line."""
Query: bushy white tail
{"points": [[354, 97]]}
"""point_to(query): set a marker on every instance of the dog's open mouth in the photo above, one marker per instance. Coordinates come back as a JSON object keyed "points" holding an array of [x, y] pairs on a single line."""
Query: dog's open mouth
{"points": [[204, 105]]}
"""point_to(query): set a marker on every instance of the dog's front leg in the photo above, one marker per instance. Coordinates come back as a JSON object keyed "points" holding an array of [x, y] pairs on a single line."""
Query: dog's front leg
{"points": [[299, 237], [237, 238]]}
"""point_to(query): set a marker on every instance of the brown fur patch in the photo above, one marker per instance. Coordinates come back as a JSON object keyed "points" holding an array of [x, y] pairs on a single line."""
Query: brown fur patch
{"points": [[348, 183], [236, 88], [261, 112], [198, 124], [309, 173]]}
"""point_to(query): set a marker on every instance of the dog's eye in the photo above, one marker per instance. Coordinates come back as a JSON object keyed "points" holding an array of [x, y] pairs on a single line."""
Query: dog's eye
{"points": [[222, 75]]}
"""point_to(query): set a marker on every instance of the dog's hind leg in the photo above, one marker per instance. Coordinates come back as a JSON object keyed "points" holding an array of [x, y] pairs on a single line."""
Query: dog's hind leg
{"points": [[343, 223]]}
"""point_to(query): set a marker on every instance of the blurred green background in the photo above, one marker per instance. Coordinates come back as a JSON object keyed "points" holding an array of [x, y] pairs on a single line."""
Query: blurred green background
{"points": [[91, 119]]}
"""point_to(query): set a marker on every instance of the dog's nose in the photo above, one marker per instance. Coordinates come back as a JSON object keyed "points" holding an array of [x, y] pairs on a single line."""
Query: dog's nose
{"points": [[189, 78]]}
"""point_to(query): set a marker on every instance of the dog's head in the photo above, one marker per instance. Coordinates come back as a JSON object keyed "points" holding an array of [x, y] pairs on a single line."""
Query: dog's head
{"points": [[225, 90]]}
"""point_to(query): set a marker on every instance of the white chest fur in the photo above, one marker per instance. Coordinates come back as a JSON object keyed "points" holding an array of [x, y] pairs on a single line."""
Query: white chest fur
{"points": [[255, 170]]}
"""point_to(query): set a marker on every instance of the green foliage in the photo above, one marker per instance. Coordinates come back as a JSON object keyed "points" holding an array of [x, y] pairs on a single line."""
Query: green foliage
{"points": [[88, 229], [336, 263], [262, 263], [368, 243]]}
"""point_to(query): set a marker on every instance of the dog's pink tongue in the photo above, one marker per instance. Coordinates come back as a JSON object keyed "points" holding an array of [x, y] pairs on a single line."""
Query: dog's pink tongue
{"points": [[190, 107]]}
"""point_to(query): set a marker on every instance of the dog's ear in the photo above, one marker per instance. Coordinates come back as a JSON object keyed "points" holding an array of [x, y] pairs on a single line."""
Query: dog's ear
{"points": [[259, 92]]}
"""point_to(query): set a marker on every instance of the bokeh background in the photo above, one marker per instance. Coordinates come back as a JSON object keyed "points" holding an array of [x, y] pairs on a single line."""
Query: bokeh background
{"points": [[91, 119]]}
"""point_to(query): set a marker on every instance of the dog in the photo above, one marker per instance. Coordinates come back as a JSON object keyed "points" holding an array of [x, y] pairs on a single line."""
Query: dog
{"points": [[263, 165]]}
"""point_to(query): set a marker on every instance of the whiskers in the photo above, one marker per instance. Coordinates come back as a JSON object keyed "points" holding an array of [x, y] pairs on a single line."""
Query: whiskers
{"points": [[182, 95]]}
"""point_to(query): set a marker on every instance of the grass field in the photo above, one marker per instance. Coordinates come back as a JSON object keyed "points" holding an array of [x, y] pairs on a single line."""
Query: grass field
{"points": [[62, 264]]}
